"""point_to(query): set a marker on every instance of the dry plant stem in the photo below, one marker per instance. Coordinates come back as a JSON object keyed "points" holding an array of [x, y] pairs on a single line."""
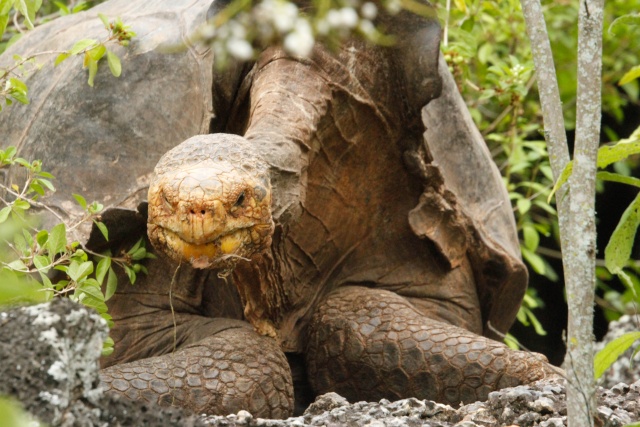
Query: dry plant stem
{"points": [[579, 258]]}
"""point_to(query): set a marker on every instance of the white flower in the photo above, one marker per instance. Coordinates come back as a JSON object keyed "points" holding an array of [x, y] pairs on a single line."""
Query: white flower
{"points": [[284, 15], [367, 27], [349, 17], [322, 26], [393, 6], [334, 19], [300, 41], [238, 30], [369, 10], [240, 49]]}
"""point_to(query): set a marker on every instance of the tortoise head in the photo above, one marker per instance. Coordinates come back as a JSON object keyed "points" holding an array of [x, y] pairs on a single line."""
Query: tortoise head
{"points": [[210, 202]]}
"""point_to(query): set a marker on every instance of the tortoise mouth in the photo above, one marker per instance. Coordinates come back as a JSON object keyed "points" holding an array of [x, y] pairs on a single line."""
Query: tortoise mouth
{"points": [[223, 252]]}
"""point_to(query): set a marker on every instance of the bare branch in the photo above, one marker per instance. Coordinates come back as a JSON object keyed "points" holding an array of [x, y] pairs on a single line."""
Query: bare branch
{"points": [[579, 257]]}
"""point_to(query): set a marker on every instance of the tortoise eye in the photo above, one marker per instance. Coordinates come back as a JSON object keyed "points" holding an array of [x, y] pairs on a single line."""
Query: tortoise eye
{"points": [[168, 204], [240, 200]]}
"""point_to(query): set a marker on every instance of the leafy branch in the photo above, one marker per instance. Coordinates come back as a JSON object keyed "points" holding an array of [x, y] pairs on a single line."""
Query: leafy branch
{"points": [[36, 265], [94, 50], [13, 87]]}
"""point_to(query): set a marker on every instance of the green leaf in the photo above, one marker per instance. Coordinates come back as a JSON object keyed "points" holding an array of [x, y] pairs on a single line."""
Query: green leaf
{"points": [[83, 5], [104, 20], [102, 268], [42, 263], [135, 247], [484, 52], [46, 183], [616, 177], [612, 351], [607, 155], [20, 97], [57, 241], [61, 58], [564, 177], [4, 19], [5, 6], [103, 229], [534, 260], [22, 162], [91, 301], [461, 4], [78, 271], [26, 9], [523, 206], [630, 75], [624, 21], [4, 213], [107, 317], [139, 254], [107, 347], [81, 201], [531, 237], [618, 250], [42, 237], [17, 265], [93, 70], [15, 289], [95, 207], [622, 150], [112, 284], [18, 84], [114, 64], [130, 273], [64, 10], [97, 52], [21, 204], [82, 45]]}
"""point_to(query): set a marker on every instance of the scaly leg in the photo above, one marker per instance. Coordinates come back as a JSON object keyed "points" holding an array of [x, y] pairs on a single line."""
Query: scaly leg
{"points": [[231, 370], [371, 344]]}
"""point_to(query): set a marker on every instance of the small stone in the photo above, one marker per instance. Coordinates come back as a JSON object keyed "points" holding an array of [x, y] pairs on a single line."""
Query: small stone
{"points": [[543, 405], [243, 417], [552, 422]]}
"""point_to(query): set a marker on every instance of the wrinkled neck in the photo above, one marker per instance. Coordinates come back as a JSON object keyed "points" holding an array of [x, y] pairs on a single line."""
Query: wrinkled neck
{"points": [[287, 99]]}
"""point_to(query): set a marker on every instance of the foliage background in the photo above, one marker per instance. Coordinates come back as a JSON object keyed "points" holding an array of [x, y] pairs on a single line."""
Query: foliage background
{"points": [[488, 51]]}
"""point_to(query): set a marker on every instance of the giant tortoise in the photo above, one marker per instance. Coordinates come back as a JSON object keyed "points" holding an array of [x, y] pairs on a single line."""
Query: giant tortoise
{"points": [[308, 227]]}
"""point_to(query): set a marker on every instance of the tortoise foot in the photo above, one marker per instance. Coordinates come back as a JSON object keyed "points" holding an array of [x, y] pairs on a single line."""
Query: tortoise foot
{"points": [[373, 344], [232, 370]]}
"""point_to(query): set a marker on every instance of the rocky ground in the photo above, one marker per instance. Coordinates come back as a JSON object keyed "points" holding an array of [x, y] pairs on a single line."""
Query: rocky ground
{"points": [[541, 404], [49, 363]]}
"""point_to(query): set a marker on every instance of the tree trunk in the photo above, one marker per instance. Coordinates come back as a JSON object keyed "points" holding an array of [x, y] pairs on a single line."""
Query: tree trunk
{"points": [[579, 256], [577, 213]]}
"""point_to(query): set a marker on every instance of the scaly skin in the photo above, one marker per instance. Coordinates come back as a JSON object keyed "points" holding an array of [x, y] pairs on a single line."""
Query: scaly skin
{"points": [[232, 370], [372, 344]]}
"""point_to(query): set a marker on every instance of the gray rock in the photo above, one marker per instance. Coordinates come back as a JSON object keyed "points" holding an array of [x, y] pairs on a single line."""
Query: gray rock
{"points": [[539, 404], [49, 356]]}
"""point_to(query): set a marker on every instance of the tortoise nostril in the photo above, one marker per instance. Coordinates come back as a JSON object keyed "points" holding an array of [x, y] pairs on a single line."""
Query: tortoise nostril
{"points": [[202, 211], [240, 200]]}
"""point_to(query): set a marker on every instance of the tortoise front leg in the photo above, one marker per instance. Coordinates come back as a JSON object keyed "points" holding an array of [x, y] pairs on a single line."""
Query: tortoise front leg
{"points": [[371, 344], [232, 370]]}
